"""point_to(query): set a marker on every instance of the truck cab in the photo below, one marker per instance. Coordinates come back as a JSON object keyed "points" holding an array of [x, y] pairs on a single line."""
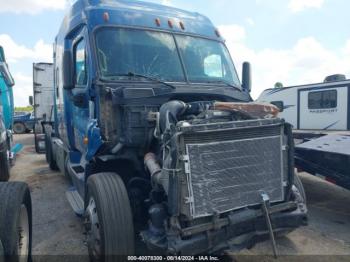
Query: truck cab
{"points": [[6, 116], [161, 141]]}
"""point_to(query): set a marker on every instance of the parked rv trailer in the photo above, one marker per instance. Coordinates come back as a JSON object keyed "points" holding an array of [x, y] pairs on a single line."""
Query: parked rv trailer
{"points": [[322, 106], [43, 90]]}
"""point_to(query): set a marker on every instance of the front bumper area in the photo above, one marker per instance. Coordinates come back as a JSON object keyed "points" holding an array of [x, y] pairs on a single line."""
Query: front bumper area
{"points": [[243, 230]]}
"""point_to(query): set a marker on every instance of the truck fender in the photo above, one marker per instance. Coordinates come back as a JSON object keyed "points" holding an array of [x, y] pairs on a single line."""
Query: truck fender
{"points": [[94, 140]]}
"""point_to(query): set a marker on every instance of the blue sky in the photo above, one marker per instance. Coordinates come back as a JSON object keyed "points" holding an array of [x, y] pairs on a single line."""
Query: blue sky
{"points": [[292, 41]]}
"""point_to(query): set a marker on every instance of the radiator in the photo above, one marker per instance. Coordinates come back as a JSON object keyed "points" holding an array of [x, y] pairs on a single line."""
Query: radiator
{"points": [[234, 169]]}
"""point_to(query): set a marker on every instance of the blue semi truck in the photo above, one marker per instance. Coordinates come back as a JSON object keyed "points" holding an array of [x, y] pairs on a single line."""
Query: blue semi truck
{"points": [[160, 139], [15, 199]]}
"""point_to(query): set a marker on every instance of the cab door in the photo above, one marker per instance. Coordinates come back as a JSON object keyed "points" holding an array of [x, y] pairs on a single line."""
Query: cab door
{"points": [[323, 108], [79, 97]]}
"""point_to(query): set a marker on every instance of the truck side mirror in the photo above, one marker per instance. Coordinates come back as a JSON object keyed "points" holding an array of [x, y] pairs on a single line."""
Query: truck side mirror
{"points": [[67, 70], [246, 77], [31, 100]]}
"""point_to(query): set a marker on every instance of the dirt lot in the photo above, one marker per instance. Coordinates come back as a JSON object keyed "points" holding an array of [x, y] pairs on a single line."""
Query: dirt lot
{"points": [[57, 231]]}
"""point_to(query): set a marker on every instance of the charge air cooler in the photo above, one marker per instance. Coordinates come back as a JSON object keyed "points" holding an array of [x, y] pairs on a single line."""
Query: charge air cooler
{"points": [[229, 165]]}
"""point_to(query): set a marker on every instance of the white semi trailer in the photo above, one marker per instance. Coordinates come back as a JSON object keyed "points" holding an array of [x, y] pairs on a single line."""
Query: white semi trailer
{"points": [[43, 89]]}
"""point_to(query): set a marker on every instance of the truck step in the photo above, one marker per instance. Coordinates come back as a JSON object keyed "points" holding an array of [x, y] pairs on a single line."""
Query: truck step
{"points": [[77, 171], [75, 201]]}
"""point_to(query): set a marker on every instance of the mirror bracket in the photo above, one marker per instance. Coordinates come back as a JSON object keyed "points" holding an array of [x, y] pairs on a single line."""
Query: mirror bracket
{"points": [[80, 100]]}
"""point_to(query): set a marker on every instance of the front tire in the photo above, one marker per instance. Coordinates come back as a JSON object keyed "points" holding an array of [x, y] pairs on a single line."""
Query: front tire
{"points": [[49, 154], [16, 221], [109, 221]]}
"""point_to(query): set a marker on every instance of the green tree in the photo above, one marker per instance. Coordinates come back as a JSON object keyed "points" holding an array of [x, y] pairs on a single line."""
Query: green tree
{"points": [[24, 109], [278, 85]]}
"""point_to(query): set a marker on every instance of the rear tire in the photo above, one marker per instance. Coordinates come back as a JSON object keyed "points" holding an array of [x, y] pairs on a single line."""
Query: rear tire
{"points": [[49, 154], [110, 228], [19, 128], [16, 221], [46, 148], [36, 143], [66, 173], [4, 165]]}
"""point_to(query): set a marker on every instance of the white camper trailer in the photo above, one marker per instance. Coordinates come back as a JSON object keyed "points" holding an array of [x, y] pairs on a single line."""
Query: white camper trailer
{"points": [[323, 106]]}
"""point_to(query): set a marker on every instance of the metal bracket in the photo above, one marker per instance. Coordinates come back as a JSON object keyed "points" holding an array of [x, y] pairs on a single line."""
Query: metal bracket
{"points": [[266, 212], [189, 200], [186, 159]]}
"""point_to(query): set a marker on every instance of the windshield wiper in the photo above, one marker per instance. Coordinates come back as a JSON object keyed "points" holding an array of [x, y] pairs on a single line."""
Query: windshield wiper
{"points": [[226, 83], [154, 79]]}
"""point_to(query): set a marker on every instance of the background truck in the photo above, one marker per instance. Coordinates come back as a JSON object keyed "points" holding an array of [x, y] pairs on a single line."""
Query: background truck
{"points": [[15, 201], [161, 141], [23, 122], [42, 102]]}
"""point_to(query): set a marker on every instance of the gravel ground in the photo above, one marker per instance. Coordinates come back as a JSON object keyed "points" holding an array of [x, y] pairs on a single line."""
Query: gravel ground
{"points": [[57, 231]]}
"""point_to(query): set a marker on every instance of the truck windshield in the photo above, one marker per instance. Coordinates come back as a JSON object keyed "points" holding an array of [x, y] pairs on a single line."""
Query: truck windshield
{"points": [[156, 54]]}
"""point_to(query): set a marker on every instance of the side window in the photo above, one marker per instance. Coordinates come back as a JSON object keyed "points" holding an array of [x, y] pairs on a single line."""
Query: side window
{"points": [[80, 64], [323, 99]]}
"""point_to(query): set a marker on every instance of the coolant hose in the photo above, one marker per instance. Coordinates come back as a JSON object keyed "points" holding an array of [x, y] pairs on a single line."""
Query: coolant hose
{"points": [[157, 176], [152, 165]]}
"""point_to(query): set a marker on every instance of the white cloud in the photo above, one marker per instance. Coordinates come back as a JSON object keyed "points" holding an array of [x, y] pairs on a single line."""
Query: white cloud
{"points": [[31, 6], [300, 5], [308, 61], [166, 2], [233, 33], [18, 55], [22, 89], [346, 49], [14, 52]]}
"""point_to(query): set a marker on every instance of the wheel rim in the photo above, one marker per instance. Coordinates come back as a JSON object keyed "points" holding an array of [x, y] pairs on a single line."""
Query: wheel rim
{"points": [[92, 226], [23, 234]]}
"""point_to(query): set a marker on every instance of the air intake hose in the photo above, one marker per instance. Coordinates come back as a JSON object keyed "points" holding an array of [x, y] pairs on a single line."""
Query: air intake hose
{"points": [[169, 113]]}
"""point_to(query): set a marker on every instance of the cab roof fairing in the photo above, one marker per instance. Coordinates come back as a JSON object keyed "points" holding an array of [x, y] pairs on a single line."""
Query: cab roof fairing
{"points": [[135, 14]]}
